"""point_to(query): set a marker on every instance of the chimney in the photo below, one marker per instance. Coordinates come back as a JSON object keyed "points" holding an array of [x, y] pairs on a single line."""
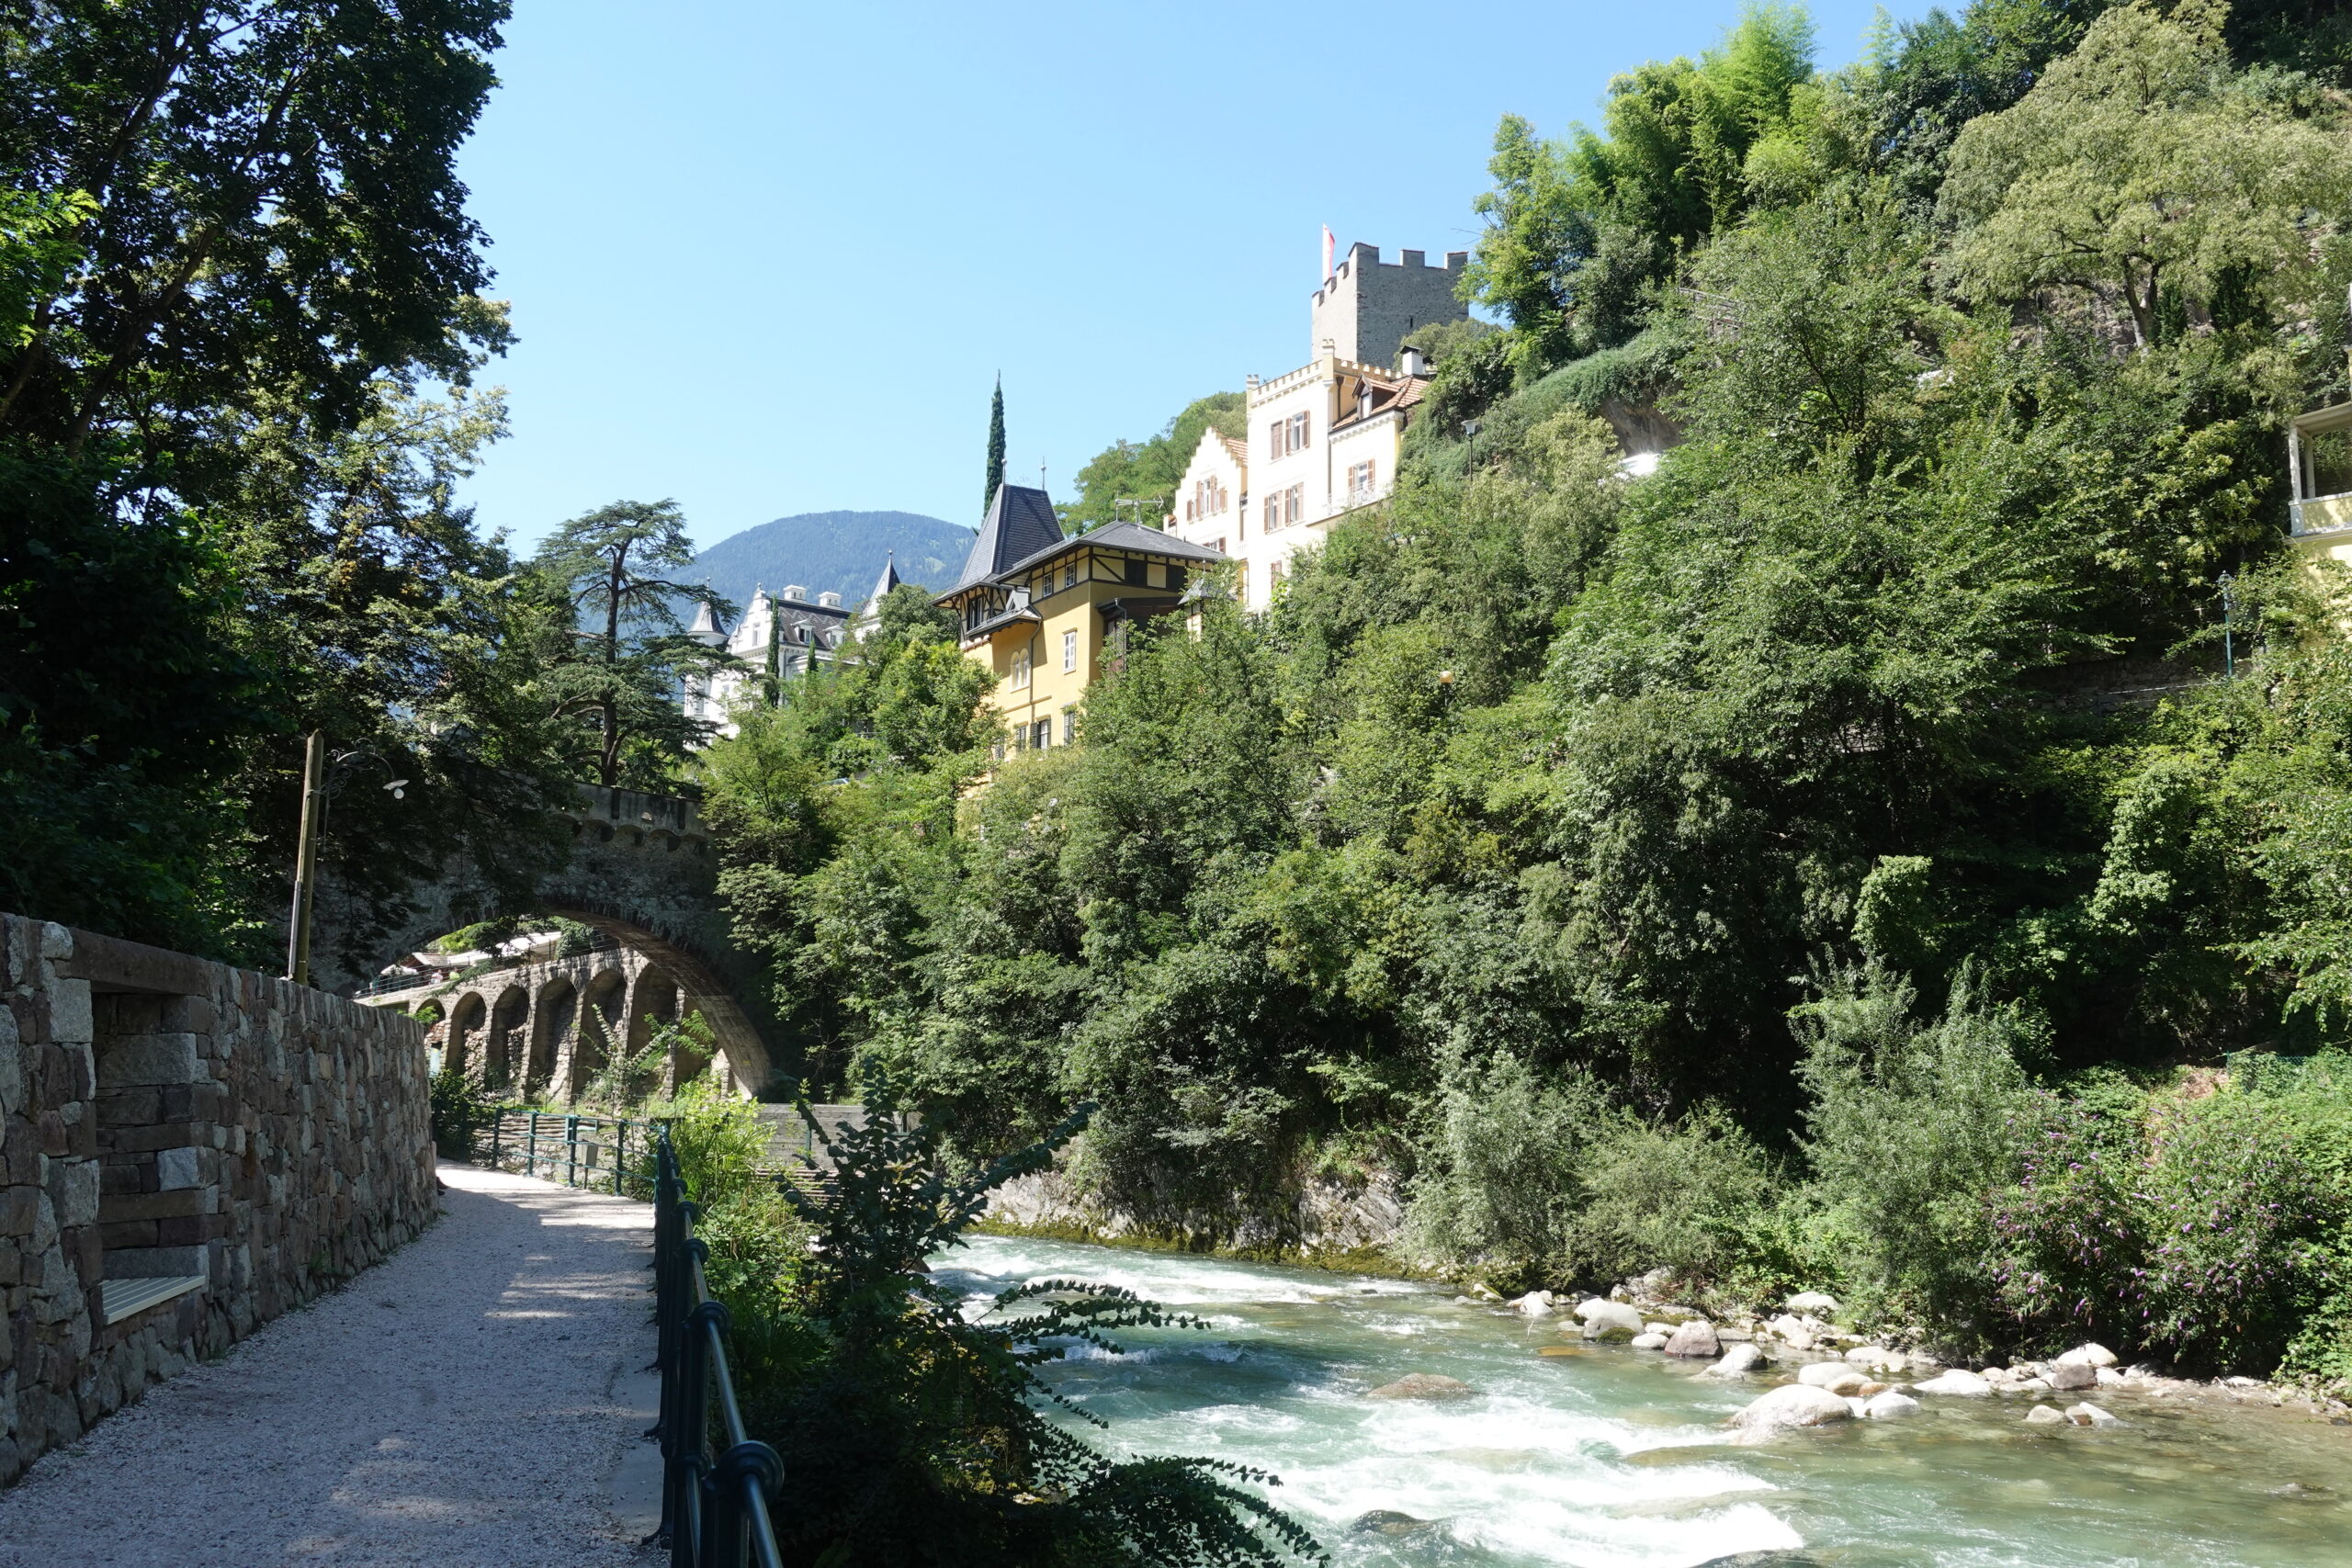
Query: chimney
{"points": [[1409, 360]]}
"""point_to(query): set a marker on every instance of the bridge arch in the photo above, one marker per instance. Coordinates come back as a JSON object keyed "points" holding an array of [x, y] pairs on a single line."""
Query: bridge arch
{"points": [[639, 869]]}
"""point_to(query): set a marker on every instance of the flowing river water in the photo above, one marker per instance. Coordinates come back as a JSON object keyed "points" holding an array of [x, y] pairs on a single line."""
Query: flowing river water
{"points": [[1607, 1457]]}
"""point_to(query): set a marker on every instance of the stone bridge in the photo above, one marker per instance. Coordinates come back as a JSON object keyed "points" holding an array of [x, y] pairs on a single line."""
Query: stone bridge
{"points": [[640, 870]]}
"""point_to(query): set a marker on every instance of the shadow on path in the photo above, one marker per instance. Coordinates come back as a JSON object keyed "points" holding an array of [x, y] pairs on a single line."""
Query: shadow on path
{"points": [[467, 1402]]}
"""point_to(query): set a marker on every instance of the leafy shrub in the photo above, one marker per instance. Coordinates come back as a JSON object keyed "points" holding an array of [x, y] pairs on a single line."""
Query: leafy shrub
{"points": [[1500, 1191], [721, 1140], [1912, 1128], [1692, 1197], [458, 1110]]}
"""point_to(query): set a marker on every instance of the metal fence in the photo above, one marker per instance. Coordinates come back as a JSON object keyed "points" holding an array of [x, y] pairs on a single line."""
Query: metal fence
{"points": [[715, 1479], [577, 1150]]}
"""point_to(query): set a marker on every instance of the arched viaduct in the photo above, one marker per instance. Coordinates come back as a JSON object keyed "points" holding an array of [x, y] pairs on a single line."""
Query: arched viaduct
{"points": [[640, 870]]}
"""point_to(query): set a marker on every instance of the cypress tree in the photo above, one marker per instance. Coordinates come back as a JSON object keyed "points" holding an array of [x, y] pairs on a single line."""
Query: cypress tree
{"points": [[996, 446]]}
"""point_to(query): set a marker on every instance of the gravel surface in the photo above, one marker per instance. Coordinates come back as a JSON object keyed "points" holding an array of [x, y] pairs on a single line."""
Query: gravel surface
{"points": [[465, 1401]]}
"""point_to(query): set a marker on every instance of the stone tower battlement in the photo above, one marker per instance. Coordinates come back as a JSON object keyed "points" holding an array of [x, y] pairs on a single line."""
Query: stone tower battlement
{"points": [[1366, 306]]}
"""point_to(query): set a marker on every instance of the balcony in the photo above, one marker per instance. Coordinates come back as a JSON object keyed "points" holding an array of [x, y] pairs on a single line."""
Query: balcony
{"points": [[2319, 456]]}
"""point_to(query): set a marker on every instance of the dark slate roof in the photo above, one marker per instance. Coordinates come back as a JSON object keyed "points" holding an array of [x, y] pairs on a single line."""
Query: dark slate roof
{"points": [[1020, 522], [1120, 536]]}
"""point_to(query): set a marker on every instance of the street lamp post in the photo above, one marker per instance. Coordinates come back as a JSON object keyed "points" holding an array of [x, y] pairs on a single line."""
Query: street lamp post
{"points": [[318, 782], [2229, 627]]}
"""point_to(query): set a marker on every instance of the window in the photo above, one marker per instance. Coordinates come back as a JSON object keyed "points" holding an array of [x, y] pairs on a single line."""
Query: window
{"points": [[1293, 504], [1069, 575], [1219, 546], [1175, 578], [1070, 725], [1287, 435], [1298, 432], [1274, 574], [1019, 668], [1070, 650], [1042, 734], [1138, 573], [1274, 439], [1273, 512], [1359, 483]]}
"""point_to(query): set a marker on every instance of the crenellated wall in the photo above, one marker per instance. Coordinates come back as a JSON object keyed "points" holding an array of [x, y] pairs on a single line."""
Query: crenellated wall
{"points": [[189, 1150]]}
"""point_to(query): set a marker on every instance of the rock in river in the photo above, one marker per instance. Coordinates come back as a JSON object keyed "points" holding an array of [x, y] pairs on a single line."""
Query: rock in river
{"points": [[1423, 1385], [2092, 1415], [1609, 1320], [1813, 1303], [1696, 1338], [1792, 1404], [1736, 1360], [1536, 1303], [1956, 1381], [2064, 1375], [2045, 1416], [1388, 1521], [1889, 1406], [1836, 1376], [1651, 1341]]}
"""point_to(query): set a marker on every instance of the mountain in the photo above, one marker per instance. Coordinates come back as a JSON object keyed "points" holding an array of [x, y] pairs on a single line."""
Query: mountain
{"points": [[837, 552]]}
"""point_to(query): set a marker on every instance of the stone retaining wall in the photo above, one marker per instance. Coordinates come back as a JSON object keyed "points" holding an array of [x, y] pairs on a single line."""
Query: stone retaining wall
{"points": [[1321, 1221], [220, 1145]]}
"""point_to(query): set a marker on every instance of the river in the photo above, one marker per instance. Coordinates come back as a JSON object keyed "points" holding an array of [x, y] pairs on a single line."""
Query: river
{"points": [[1614, 1458]]}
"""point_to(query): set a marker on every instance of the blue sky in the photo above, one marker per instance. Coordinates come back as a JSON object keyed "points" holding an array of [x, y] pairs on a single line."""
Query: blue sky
{"points": [[767, 259]]}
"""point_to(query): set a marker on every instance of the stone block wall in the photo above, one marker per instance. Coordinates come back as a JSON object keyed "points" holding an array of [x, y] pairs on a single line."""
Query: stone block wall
{"points": [[221, 1144]]}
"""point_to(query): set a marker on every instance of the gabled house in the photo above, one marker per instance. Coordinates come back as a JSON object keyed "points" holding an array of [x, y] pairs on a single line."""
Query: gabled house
{"points": [[1047, 619]]}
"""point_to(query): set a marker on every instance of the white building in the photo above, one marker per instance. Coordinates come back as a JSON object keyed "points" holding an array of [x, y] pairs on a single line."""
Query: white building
{"points": [[1321, 440], [786, 635]]}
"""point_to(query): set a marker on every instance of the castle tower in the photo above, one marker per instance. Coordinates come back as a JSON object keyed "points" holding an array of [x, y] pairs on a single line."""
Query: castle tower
{"points": [[1366, 306]]}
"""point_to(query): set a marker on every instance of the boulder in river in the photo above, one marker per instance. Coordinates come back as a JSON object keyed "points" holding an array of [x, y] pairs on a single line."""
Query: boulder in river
{"points": [[1388, 1521], [1738, 1359], [1967, 1384], [2092, 1415], [1423, 1385], [2045, 1416], [1792, 1404], [1876, 1359], [1609, 1320], [2093, 1356], [1696, 1338], [1812, 1303], [1889, 1406], [1650, 1341], [1836, 1376], [1536, 1303], [2065, 1376]]}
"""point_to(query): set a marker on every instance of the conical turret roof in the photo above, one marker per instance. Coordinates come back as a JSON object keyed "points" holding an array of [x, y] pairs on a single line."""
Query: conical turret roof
{"points": [[1021, 522]]}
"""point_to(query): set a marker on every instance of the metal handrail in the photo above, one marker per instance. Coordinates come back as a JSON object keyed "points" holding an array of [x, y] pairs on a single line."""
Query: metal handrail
{"points": [[713, 1504], [553, 1140]]}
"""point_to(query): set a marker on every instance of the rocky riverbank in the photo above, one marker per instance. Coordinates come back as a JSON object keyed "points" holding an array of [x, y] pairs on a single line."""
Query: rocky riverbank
{"points": [[1843, 1374]]}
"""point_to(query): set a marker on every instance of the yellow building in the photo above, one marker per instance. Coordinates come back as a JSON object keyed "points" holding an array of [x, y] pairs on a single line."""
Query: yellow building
{"points": [[1045, 614], [2319, 450]]}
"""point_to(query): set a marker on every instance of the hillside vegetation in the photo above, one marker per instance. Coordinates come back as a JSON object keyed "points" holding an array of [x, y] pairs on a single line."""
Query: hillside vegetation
{"points": [[1837, 860]]}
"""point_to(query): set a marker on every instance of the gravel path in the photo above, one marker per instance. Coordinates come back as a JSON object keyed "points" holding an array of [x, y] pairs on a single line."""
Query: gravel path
{"points": [[467, 1402]]}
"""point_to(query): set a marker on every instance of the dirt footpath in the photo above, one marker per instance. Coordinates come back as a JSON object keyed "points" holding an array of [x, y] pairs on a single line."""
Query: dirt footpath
{"points": [[474, 1400]]}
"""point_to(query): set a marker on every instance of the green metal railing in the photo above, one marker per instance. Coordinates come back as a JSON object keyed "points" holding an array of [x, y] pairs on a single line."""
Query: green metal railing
{"points": [[715, 1478], [577, 1150]]}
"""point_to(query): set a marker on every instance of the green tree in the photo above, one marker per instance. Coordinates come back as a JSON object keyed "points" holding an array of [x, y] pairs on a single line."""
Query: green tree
{"points": [[629, 654], [996, 446], [276, 209], [1150, 470], [2138, 170]]}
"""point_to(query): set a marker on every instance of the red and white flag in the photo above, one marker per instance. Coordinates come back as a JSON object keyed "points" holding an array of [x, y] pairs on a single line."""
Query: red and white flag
{"points": [[1327, 243]]}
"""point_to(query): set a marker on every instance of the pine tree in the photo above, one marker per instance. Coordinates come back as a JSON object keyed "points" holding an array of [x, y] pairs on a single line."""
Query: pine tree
{"points": [[996, 446]]}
